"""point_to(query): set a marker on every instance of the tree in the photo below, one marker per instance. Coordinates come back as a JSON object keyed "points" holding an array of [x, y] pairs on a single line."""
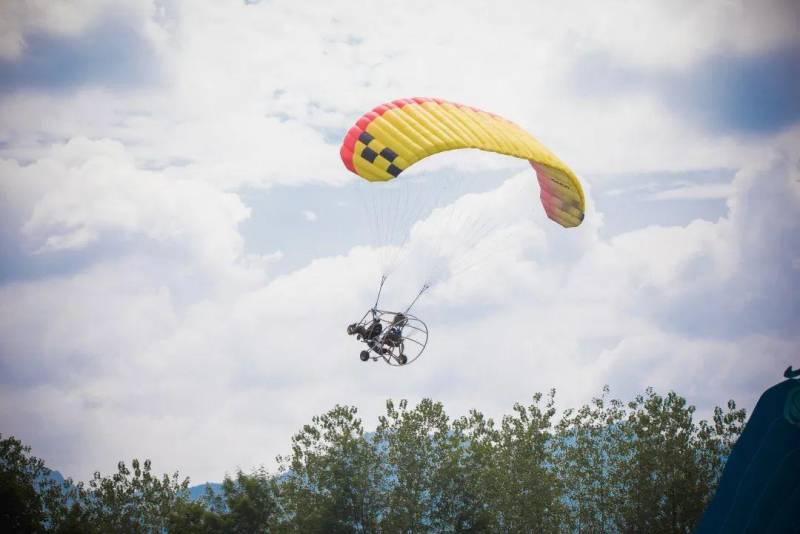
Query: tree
{"points": [[666, 465], [20, 473], [414, 450], [529, 494], [465, 481], [333, 480], [195, 517], [587, 438], [251, 502], [133, 500], [641, 466], [715, 441]]}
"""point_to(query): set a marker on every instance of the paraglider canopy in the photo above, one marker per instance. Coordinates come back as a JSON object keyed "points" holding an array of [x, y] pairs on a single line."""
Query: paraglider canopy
{"points": [[393, 136]]}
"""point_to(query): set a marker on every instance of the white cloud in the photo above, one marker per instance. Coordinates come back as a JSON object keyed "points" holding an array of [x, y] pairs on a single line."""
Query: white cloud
{"points": [[247, 102], [21, 20], [558, 308], [676, 34], [88, 189], [169, 333], [309, 215]]}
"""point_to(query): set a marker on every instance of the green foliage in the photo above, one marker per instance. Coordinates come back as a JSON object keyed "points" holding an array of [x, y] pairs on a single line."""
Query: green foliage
{"points": [[194, 518], [461, 496], [247, 504], [644, 466], [332, 480], [414, 451], [531, 493], [662, 464], [21, 509], [656, 458], [131, 500], [608, 466], [31, 500], [251, 501], [585, 463]]}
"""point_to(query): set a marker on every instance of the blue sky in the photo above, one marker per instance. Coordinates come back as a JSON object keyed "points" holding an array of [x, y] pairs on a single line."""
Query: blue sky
{"points": [[182, 248]]}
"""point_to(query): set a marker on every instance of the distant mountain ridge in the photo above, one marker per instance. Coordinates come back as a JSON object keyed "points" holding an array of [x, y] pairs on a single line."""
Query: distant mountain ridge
{"points": [[195, 492]]}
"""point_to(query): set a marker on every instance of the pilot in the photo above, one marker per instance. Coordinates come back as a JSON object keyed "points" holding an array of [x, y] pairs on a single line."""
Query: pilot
{"points": [[367, 333]]}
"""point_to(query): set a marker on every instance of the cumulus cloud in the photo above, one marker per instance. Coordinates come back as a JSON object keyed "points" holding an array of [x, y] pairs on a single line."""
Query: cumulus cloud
{"points": [[171, 339], [642, 307], [20, 19], [266, 106], [557, 308], [47, 45], [680, 33], [87, 189]]}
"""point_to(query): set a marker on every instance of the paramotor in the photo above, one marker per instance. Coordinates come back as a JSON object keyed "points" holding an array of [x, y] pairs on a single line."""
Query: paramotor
{"points": [[393, 136]]}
